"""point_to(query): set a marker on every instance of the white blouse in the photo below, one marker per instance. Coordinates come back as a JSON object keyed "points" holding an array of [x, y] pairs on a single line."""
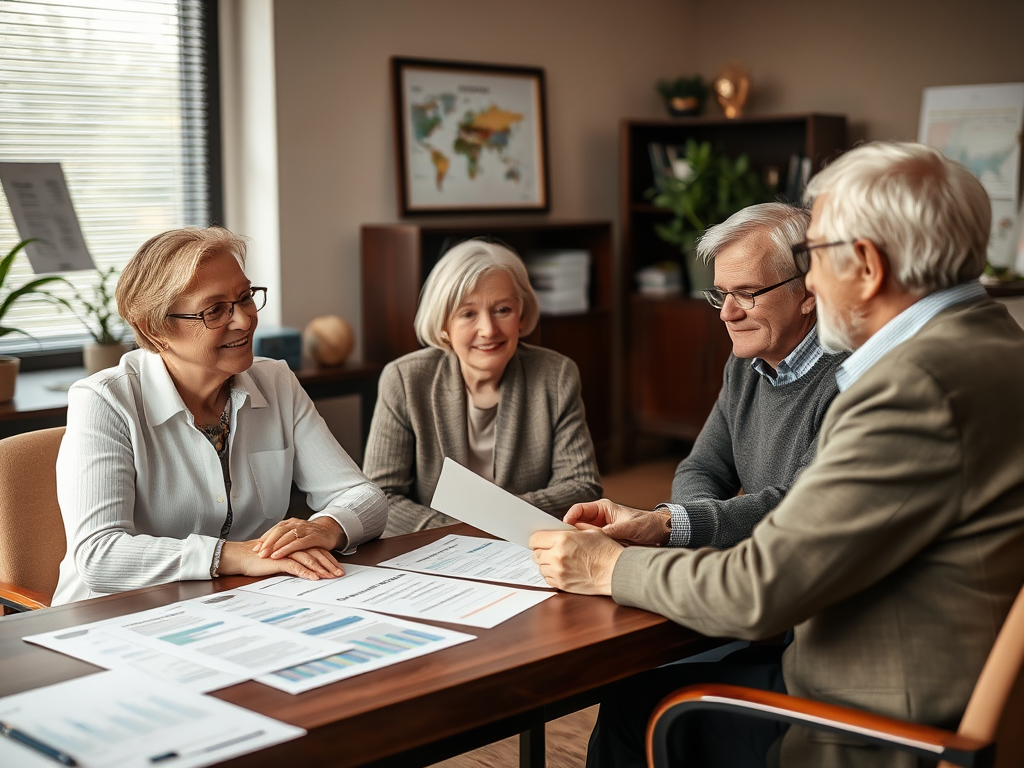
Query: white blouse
{"points": [[141, 489]]}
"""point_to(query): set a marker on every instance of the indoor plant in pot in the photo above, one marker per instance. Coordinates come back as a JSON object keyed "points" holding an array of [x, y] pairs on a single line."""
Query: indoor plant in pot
{"points": [[713, 188], [683, 96], [103, 323], [8, 298]]}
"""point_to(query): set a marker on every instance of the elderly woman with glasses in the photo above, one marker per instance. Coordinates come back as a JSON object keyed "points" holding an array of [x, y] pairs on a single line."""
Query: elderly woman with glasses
{"points": [[178, 463], [509, 411]]}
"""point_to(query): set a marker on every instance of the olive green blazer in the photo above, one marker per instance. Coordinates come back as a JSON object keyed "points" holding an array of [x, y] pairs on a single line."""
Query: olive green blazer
{"points": [[542, 453], [899, 550]]}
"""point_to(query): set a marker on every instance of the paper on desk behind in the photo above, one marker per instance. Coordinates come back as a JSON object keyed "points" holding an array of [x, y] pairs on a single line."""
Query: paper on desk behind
{"points": [[466, 496]]}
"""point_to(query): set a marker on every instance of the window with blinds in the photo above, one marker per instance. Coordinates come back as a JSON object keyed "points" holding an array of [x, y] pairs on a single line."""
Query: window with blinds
{"points": [[119, 92]]}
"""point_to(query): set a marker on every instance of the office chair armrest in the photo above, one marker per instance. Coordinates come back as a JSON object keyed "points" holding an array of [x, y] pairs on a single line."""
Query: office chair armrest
{"points": [[19, 599], [921, 740]]}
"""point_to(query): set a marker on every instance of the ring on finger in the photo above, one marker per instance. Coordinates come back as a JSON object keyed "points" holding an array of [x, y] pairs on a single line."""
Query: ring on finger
{"points": [[296, 534]]}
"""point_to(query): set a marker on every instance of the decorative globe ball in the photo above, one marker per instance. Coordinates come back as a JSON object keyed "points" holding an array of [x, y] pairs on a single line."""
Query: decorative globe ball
{"points": [[328, 340]]}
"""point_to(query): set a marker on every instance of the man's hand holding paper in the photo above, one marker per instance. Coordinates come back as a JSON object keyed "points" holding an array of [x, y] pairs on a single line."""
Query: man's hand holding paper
{"points": [[624, 524]]}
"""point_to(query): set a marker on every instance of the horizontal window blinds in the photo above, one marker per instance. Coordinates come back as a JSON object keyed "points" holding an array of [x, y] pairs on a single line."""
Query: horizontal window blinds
{"points": [[115, 91]]}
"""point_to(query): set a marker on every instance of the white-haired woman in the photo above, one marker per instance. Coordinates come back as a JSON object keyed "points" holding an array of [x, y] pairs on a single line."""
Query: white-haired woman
{"points": [[178, 463], [509, 411]]}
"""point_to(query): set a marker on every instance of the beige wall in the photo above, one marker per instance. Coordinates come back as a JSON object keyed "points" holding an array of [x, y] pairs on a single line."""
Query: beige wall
{"points": [[336, 153], [867, 59], [334, 110]]}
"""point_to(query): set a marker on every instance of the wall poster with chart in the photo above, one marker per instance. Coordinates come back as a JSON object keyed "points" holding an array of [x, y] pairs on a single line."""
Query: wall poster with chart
{"points": [[469, 137]]}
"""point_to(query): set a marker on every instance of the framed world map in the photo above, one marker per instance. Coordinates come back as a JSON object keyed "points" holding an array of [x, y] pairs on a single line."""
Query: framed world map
{"points": [[469, 137]]}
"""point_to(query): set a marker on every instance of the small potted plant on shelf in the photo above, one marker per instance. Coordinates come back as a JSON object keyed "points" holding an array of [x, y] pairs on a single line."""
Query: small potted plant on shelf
{"points": [[713, 188], [105, 326], [8, 298], [684, 96]]}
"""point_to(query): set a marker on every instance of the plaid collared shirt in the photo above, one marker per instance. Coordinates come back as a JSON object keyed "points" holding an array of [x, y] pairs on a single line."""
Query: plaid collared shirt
{"points": [[798, 363]]}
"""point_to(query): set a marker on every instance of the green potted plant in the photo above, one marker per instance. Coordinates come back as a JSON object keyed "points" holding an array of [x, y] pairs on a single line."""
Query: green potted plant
{"points": [[683, 96], [8, 298], [100, 318], [713, 189]]}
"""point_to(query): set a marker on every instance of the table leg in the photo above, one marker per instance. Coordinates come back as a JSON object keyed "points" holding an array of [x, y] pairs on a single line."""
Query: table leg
{"points": [[531, 747]]}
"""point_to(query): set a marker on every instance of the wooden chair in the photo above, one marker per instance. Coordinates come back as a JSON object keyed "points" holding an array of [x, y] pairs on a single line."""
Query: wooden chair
{"points": [[990, 733], [32, 541]]}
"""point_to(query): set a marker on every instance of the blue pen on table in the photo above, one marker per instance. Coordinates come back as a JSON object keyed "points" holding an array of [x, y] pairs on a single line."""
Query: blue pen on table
{"points": [[33, 743]]}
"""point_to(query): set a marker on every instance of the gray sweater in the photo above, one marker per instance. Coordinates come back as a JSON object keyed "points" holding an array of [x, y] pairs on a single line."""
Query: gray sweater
{"points": [[758, 437]]}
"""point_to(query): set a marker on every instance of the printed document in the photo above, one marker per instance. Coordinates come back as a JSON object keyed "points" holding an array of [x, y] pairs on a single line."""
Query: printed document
{"points": [[92, 643], [472, 557], [464, 495], [375, 641], [218, 639], [124, 719], [430, 598]]}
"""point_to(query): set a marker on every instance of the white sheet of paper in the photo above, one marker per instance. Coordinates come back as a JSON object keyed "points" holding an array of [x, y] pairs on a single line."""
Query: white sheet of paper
{"points": [[42, 208], [431, 598], [93, 644], [126, 719], [218, 639], [471, 557], [376, 641], [464, 495]]}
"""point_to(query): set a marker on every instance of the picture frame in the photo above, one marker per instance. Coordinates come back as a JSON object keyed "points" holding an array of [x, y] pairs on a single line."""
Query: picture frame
{"points": [[469, 137]]}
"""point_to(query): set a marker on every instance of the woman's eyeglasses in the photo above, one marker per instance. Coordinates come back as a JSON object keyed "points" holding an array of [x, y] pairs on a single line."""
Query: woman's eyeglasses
{"points": [[218, 315]]}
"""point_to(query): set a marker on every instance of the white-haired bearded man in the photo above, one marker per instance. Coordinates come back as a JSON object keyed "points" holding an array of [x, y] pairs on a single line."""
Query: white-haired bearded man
{"points": [[896, 554]]}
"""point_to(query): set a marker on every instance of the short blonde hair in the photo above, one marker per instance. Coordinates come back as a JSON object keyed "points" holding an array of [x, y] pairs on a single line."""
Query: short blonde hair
{"points": [[161, 271], [456, 275]]}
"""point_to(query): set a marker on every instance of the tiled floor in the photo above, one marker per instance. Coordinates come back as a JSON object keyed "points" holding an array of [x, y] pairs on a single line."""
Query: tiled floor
{"points": [[641, 486]]}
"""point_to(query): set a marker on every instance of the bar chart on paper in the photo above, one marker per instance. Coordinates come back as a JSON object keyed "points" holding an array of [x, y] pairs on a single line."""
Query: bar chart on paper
{"points": [[377, 642]]}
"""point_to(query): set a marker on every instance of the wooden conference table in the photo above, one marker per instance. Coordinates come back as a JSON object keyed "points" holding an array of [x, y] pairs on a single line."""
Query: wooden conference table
{"points": [[544, 663]]}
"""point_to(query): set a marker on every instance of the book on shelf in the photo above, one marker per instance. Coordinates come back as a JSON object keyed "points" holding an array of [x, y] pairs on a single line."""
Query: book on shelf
{"points": [[663, 279], [797, 176], [660, 168], [561, 280], [668, 161]]}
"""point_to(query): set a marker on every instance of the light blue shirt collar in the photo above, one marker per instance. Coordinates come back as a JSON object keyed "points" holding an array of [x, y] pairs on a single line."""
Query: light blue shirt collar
{"points": [[903, 327], [796, 364]]}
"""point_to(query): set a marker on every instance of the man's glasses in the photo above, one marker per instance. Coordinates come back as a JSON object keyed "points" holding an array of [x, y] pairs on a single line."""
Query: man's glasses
{"points": [[218, 315], [743, 299], [802, 253]]}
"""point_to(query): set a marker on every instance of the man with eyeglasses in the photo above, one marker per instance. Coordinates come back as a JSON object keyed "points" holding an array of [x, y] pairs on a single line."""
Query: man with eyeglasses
{"points": [[777, 387], [896, 555]]}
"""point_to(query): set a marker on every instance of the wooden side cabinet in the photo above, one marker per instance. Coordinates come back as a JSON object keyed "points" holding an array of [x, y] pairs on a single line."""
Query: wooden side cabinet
{"points": [[677, 346], [396, 259]]}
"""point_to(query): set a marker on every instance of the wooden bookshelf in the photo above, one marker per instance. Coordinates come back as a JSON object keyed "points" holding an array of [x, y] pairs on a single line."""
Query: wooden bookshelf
{"points": [[677, 346]]}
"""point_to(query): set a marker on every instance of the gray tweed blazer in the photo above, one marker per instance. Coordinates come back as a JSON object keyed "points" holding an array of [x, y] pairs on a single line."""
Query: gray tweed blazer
{"points": [[542, 453]]}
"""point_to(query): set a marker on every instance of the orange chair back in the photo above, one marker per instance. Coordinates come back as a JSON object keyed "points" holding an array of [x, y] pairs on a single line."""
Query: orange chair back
{"points": [[32, 541], [995, 711]]}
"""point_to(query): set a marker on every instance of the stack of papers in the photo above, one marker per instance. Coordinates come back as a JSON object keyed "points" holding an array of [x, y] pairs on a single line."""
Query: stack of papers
{"points": [[561, 280]]}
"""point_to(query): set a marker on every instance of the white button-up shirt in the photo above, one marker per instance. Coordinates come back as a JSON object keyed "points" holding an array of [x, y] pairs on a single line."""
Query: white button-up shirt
{"points": [[141, 489]]}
